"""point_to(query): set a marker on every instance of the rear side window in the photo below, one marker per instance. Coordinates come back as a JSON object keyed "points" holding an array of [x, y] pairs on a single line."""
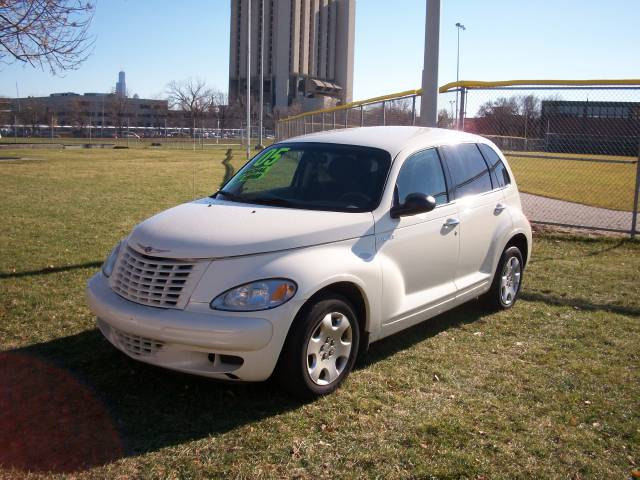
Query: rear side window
{"points": [[498, 170], [468, 169], [422, 173]]}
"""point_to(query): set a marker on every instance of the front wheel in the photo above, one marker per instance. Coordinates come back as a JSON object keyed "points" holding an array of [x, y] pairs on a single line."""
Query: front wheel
{"points": [[506, 281], [321, 348]]}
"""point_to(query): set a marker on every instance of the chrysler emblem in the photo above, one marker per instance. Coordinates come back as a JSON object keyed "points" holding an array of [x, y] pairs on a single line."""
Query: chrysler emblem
{"points": [[149, 249]]}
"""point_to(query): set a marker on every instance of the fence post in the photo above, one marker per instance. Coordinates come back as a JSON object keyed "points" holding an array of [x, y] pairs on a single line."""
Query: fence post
{"points": [[463, 94], [413, 110], [362, 115], [334, 119], [636, 193], [304, 121], [312, 125], [384, 113], [346, 118], [323, 121]]}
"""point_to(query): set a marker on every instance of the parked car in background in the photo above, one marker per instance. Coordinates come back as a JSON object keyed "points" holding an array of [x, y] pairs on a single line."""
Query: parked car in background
{"points": [[317, 247]]}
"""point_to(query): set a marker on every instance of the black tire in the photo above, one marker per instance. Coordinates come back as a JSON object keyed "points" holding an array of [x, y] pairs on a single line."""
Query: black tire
{"points": [[494, 298], [292, 371]]}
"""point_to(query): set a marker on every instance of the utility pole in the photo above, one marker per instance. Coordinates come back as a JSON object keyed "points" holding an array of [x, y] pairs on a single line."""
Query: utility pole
{"points": [[459, 26], [260, 146], [248, 78], [429, 101]]}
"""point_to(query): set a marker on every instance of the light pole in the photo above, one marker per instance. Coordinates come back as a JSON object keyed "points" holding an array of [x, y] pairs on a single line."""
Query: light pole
{"points": [[248, 79], [459, 26], [260, 146]]}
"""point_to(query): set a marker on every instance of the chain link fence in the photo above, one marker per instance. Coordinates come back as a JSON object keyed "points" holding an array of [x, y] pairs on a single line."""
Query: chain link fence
{"points": [[573, 146]]}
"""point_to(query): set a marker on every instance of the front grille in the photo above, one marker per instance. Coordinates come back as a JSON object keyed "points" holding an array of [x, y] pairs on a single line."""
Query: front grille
{"points": [[155, 281], [138, 346]]}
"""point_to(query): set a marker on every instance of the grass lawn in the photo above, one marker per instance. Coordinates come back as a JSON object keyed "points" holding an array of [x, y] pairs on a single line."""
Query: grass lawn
{"points": [[607, 185], [546, 390]]}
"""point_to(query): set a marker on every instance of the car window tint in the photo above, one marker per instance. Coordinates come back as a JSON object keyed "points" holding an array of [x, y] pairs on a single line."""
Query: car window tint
{"points": [[422, 173], [498, 170], [468, 169]]}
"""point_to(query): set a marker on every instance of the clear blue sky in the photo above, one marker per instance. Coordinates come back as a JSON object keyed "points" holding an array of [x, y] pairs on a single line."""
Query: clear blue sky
{"points": [[156, 41]]}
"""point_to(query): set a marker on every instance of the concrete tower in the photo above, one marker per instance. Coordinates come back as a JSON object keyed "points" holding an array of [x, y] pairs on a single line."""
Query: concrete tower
{"points": [[308, 51]]}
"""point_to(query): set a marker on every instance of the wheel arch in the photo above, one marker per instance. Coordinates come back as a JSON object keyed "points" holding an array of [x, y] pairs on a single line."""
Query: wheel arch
{"points": [[520, 241], [355, 294]]}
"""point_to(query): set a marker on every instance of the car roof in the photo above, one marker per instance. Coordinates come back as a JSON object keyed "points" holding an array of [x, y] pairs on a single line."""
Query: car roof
{"points": [[391, 139]]}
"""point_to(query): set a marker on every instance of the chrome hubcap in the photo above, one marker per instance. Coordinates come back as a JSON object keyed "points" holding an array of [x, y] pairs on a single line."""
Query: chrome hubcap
{"points": [[328, 348], [510, 280]]}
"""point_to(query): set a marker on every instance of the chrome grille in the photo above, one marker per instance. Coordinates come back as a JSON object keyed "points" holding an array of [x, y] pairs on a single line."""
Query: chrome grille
{"points": [[154, 281], [138, 346]]}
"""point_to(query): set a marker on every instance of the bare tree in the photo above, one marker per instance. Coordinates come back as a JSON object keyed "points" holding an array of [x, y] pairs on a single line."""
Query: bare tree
{"points": [[33, 112], [445, 120], [501, 117], [530, 109], [45, 33], [529, 106], [222, 111], [399, 112], [119, 109], [5, 111], [193, 97]]}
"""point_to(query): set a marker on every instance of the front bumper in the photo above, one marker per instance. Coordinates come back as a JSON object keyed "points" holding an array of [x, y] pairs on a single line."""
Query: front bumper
{"points": [[196, 340]]}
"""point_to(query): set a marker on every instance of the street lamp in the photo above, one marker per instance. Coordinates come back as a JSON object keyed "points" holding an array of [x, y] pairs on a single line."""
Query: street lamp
{"points": [[248, 79], [459, 26], [261, 107]]}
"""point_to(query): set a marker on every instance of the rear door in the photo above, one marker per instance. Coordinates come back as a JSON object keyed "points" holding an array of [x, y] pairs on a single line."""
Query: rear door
{"points": [[482, 215]]}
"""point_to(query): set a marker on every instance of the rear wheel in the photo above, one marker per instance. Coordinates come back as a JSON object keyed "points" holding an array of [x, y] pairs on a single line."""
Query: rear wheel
{"points": [[506, 281], [321, 348]]}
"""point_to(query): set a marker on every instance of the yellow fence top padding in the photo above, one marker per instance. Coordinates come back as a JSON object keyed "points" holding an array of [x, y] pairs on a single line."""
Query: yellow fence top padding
{"points": [[543, 83], [392, 96], [472, 84]]}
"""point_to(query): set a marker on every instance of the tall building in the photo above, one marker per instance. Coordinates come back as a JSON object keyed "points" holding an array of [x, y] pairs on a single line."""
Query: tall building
{"points": [[308, 51], [121, 86]]}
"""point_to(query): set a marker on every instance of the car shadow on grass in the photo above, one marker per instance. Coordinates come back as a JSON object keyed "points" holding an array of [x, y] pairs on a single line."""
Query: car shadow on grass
{"points": [[76, 402], [579, 303], [50, 270]]}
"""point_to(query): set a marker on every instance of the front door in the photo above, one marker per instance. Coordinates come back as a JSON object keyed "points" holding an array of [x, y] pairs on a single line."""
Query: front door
{"points": [[418, 254]]}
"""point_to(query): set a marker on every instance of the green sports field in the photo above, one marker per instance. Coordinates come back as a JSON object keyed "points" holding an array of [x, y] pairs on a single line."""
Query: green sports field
{"points": [[547, 390], [596, 183]]}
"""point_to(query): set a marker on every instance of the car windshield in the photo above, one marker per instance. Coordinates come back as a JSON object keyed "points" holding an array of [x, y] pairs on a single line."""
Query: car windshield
{"points": [[315, 176]]}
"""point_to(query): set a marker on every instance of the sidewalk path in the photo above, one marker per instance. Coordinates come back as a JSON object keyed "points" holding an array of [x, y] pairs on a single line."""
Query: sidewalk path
{"points": [[543, 209]]}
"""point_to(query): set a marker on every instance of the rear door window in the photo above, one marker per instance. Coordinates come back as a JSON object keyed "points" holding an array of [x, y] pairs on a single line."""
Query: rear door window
{"points": [[499, 172], [468, 169]]}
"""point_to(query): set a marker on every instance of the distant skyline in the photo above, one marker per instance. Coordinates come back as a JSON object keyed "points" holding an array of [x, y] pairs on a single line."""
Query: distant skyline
{"points": [[160, 41]]}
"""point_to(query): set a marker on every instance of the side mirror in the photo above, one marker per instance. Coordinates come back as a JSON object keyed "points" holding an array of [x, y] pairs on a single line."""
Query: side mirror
{"points": [[414, 203]]}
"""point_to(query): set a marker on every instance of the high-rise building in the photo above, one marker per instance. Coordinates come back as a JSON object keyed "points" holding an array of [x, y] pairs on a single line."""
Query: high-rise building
{"points": [[308, 51], [121, 86]]}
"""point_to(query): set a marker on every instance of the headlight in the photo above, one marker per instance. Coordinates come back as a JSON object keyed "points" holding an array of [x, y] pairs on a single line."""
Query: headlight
{"points": [[258, 295], [110, 262]]}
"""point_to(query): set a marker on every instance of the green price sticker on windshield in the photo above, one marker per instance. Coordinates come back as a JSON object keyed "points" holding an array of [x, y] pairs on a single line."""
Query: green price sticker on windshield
{"points": [[263, 164]]}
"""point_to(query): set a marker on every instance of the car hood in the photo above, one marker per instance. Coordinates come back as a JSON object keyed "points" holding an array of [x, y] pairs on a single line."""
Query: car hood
{"points": [[212, 228]]}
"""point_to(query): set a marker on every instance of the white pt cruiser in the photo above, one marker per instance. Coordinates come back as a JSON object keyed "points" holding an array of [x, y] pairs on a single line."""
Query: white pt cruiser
{"points": [[317, 247]]}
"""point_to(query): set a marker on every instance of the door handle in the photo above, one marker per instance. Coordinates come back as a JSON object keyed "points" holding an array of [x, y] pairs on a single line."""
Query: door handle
{"points": [[500, 207], [451, 222]]}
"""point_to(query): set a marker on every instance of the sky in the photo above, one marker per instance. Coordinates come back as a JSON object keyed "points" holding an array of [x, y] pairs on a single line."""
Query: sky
{"points": [[157, 41]]}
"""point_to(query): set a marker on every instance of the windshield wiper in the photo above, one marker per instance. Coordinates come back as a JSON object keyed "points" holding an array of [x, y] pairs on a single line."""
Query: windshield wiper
{"points": [[272, 201], [231, 196]]}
